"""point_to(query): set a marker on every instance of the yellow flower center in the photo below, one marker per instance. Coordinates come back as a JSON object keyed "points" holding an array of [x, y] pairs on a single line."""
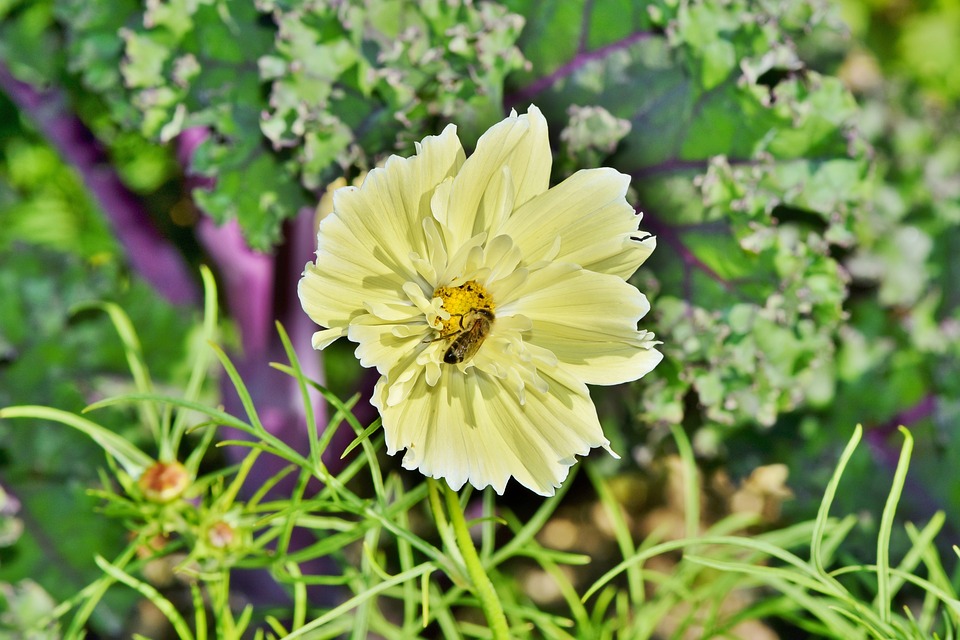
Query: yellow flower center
{"points": [[460, 301]]}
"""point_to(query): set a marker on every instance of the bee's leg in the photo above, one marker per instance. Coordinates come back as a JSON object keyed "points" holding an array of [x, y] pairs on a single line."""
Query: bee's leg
{"points": [[446, 336]]}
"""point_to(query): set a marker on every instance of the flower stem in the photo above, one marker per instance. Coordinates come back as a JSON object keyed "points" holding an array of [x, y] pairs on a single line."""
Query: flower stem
{"points": [[481, 581]]}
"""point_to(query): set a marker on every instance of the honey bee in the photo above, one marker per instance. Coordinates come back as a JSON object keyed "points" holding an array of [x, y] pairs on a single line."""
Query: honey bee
{"points": [[468, 341], [474, 329]]}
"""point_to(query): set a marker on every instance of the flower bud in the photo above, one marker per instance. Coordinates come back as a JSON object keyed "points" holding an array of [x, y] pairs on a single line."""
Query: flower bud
{"points": [[164, 481]]}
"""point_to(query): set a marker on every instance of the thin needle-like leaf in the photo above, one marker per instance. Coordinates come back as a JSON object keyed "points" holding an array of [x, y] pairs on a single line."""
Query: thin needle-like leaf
{"points": [[360, 598], [132, 459], [816, 554], [305, 398], [886, 527], [150, 593], [203, 355], [138, 368], [691, 487]]}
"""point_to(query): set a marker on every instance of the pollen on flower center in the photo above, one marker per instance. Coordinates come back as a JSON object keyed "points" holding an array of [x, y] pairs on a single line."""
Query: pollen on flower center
{"points": [[459, 302]]}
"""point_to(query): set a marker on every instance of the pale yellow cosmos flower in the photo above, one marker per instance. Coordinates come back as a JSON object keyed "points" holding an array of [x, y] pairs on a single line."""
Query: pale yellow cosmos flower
{"points": [[487, 301]]}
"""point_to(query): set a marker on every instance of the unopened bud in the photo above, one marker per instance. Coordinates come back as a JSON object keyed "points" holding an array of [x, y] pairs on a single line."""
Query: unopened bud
{"points": [[164, 481], [221, 535]]}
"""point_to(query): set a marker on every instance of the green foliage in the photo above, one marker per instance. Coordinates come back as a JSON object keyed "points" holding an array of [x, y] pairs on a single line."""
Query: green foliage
{"points": [[750, 174], [827, 603], [46, 205], [746, 162], [897, 348], [57, 253], [23, 605], [55, 356], [401, 562], [291, 93]]}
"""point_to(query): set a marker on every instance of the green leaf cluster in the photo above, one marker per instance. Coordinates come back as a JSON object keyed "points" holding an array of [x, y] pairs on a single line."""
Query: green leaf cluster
{"points": [[749, 171], [289, 95]]}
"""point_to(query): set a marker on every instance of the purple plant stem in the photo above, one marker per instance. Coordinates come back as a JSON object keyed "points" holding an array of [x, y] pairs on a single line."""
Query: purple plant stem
{"points": [[249, 280], [529, 92], [258, 289], [922, 504], [150, 254], [691, 262], [878, 437]]}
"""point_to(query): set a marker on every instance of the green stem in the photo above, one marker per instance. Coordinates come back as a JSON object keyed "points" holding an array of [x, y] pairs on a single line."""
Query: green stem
{"points": [[481, 581]]}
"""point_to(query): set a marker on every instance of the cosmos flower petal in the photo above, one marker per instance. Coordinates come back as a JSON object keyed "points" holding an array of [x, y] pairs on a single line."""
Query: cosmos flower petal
{"points": [[351, 270], [379, 345], [601, 362], [588, 320], [472, 432], [430, 425], [589, 213], [403, 187], [346, 275], [519, 144], [547, 431], [323, 339]]}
